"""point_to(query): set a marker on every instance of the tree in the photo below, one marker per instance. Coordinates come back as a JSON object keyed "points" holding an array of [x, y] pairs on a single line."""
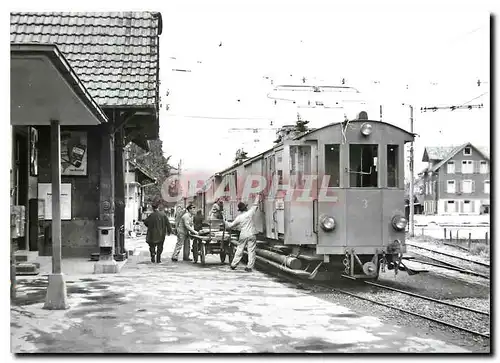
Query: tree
{"points": [[153, 162]]}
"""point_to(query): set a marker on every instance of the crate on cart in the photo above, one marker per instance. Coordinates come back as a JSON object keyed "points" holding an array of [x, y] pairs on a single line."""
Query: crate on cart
{"points": [[213, 239]]}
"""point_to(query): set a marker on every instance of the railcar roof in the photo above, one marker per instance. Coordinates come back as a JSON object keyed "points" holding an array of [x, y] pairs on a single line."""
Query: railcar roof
{"points": [[258, 156]]}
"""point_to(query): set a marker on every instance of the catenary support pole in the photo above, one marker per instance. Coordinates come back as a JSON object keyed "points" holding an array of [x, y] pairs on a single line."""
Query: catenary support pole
{"points": [[56, 298], [412, 201]]}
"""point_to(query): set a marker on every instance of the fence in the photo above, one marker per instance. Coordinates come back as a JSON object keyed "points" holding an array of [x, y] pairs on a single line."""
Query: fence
{"points": [[461, 237]]}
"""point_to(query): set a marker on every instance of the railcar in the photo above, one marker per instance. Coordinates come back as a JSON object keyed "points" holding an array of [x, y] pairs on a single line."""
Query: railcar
{"points": [[332, 203]]}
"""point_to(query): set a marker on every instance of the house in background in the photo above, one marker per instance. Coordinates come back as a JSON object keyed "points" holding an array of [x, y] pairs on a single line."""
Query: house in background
{"points": [[456, 180], [136, 179]]}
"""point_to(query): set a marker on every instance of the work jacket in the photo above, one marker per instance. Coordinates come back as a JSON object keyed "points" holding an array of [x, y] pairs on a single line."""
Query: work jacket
{"points": [[244, 222], [185, 224]]}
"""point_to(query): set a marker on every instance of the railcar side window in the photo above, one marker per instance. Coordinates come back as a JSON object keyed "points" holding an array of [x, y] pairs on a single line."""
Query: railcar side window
{"points": [[332, 164], [300, 165], [279, 167], [363, 165], [392, 166]]}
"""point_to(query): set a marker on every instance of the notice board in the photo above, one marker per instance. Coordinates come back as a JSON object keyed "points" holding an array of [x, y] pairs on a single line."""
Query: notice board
{"points": [[45, 193]]}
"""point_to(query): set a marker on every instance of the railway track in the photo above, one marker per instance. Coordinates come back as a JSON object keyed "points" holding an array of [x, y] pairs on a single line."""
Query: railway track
{"points": [[480, 313], [447, 266], [451, 256]]}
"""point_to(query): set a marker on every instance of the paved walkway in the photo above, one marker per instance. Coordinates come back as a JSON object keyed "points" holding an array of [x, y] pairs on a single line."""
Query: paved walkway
{"points": [[183, 307]]}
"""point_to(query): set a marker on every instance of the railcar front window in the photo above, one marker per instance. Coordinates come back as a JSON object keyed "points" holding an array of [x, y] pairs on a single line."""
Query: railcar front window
{"points": [[363, 165], [392, 166], [332, 164]]}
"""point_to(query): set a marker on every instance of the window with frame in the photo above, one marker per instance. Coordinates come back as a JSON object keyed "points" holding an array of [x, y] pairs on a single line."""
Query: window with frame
{"points": [[450, 206], [467, 167], [450, 186], [300, 165], [487, 187], [363, 160], [483, 167], [392, 166], [467, 206], [467, 186], [279, 167], [332, 164], [450, 167], [467, 151]]}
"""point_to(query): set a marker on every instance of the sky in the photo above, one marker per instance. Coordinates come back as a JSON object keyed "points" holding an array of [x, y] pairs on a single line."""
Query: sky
{"points": [[391, 55]]}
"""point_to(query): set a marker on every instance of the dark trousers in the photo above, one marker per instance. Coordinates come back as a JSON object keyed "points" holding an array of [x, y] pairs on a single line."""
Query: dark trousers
{"points": [[155, 249]]}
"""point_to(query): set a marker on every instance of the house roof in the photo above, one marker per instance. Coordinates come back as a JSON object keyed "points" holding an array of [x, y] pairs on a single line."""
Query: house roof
{"points": [[114, 54], [484, 151], [34, 51], [437, 152], [145, 174]]}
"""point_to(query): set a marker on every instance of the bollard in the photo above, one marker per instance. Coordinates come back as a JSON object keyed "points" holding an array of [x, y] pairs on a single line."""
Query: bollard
{"points": [[445, 233], [451, 238], [470, 236], [457, 236], [486, 237]]}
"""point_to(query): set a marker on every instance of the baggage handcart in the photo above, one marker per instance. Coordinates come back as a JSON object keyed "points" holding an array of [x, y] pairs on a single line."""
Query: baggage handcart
{"points": [[213, 240]]}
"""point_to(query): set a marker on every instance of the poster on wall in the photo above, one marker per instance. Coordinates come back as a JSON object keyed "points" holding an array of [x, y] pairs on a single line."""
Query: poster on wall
{"points": [[73, 153], [45, 193]]}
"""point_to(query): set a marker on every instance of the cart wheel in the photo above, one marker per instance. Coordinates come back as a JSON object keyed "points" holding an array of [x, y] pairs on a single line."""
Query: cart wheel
{"points": [[203, 251], [223, 256], [195, 251]]}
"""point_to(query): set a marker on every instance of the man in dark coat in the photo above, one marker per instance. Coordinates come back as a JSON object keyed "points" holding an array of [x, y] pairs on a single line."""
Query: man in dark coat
{"points": [[158, 227]]}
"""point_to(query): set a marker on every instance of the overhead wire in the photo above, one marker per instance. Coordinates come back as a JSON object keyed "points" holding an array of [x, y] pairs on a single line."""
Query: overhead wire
{"points": [[475, 98]]}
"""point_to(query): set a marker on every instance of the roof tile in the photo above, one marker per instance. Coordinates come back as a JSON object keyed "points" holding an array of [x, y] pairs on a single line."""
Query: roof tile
{"points": [[115, 54]]}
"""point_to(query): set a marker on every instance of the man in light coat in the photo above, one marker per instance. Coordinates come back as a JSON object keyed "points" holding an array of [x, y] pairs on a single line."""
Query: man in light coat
{"points": [[184, 227], [248, 232]]}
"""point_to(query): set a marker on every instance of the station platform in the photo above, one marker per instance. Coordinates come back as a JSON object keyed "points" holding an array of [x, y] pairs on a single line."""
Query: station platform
{"points": [[188, 308]]}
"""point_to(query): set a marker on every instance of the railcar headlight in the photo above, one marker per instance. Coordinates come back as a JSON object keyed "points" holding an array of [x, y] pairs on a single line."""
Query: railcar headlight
{"points": [[399, 222], [366, 129], [327, 223]]}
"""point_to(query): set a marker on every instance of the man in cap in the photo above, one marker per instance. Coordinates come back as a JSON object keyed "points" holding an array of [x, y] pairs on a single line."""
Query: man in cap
{"points": [[248, 232]]}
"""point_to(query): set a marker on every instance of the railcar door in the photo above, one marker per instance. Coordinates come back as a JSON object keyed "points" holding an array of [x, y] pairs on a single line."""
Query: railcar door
{"points": [[300, 176], [274, 202], [364, 198]]}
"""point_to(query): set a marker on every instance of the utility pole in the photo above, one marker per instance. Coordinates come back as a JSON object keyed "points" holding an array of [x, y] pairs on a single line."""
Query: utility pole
{"points": [[411, 196]]}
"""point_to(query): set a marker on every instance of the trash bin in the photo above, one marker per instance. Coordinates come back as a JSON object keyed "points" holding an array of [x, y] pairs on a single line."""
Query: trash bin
{"points": [[106, 241]]}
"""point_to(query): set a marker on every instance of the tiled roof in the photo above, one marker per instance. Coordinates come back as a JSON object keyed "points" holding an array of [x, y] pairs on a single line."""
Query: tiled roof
{"points": [[438, 152], [454, 150], [114, 54], [485, 150]]}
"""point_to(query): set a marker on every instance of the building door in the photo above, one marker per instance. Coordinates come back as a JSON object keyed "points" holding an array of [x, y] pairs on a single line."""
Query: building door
{"points": [[20, 171]]}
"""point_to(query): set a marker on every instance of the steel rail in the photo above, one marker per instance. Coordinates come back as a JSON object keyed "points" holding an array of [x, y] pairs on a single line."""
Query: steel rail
{"points": [[307, 282], [448, 255], [451, 267], [427, 298], [414, 314]]}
